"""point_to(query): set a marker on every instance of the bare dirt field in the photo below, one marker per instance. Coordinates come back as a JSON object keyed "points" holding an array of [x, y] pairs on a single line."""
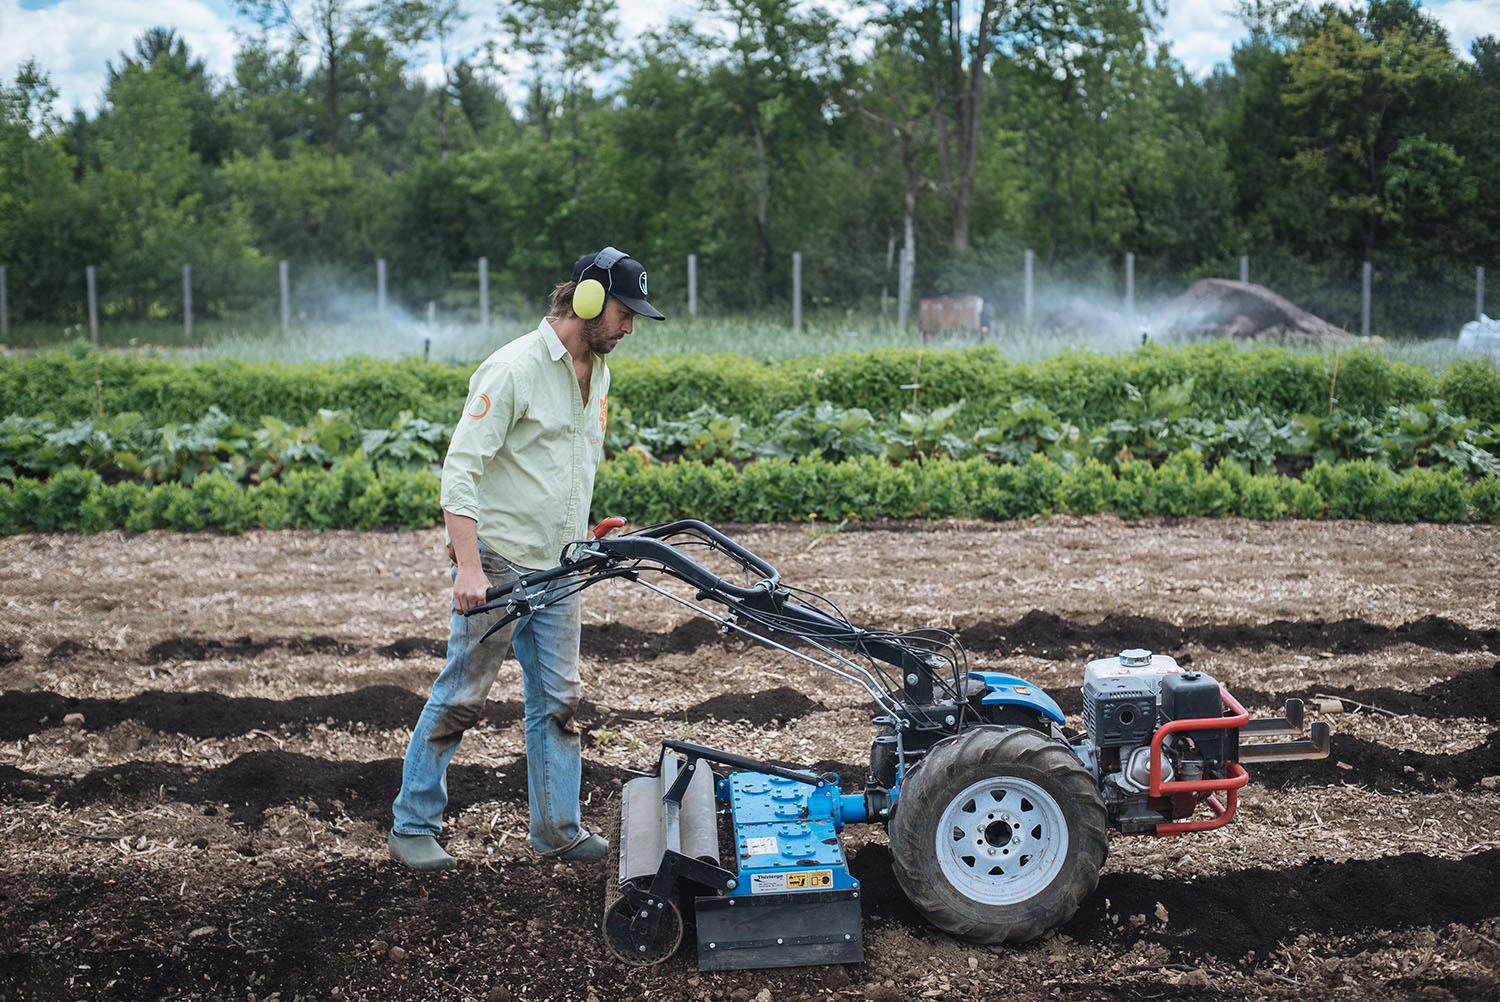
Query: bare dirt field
{"points": [[200, 737]]}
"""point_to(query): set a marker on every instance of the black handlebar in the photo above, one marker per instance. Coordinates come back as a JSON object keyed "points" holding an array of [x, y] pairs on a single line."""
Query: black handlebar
{"points": [[763, 600], [650, 544], [534, 578]]}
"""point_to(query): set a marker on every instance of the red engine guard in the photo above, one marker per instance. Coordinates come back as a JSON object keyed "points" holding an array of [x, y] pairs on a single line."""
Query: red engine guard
{"points": [[1203, 789]]}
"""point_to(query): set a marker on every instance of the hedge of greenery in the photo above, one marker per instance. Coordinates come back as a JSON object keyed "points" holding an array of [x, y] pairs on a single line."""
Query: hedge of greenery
{"points": [[1195, 430], [348, 496], [1083, 388], [351, 495]]}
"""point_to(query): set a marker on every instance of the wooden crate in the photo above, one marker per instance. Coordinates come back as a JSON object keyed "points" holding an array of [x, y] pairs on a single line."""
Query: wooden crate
{"points": [[951, 313]]}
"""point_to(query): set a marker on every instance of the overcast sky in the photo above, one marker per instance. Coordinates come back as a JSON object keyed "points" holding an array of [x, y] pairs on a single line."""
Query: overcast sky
{"points": [[73, 39]]}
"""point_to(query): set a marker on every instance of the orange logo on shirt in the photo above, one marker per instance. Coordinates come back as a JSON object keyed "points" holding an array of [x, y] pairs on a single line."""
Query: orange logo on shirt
{"points": [[479, 407], [603, 413]]}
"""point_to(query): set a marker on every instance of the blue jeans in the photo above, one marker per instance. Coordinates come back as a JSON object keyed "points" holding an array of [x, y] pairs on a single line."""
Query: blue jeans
{"points": [[546, 645]]}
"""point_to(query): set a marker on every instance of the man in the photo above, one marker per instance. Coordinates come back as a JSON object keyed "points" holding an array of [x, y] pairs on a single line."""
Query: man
{"points": [[517, 483]]}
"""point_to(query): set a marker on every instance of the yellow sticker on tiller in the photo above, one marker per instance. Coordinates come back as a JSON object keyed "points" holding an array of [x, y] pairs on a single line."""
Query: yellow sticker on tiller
{"points": [[808, 880]]}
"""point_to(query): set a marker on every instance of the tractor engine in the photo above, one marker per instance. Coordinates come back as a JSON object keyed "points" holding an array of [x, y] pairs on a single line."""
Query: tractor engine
{"points": [[1126, 701]]}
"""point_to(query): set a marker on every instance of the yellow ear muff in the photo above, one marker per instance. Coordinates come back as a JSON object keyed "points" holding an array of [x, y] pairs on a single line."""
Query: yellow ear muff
{"points": [[588, 299]]}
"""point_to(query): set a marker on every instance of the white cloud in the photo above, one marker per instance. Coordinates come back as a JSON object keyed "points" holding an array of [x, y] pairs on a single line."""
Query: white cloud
{"points": [[74, 39], [1466, 20], [1203, 33]]}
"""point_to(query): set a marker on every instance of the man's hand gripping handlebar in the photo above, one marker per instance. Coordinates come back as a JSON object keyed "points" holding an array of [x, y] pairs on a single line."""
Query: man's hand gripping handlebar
{"points": [[522, 599]]}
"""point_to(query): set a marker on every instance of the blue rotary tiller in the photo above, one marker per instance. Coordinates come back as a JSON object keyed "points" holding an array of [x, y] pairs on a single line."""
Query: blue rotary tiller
{"points": [[998, 818]]}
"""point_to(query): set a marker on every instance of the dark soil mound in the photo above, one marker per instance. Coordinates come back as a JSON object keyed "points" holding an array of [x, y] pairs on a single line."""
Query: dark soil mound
{"points": [[66, 649], [202, 648], [408, 647], [209, 714], [619, 642], [759, 708], [1473, 694], [1047, 635], [256, 781], [1387, 769], [1229, 915]]}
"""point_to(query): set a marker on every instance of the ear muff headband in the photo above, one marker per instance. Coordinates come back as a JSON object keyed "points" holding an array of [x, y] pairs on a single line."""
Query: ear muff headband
{"points": [[588, 296]]}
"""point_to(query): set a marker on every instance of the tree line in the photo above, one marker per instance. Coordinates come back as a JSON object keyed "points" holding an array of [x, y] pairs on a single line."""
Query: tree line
{"points": [[951, 135]]}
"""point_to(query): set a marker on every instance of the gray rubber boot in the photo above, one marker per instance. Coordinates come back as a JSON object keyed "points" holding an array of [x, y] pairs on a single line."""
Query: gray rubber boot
{"points": [[419, 852], [591, 849]]}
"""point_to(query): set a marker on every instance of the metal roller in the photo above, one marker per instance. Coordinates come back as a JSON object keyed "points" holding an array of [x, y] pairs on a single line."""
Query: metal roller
{"points": [[649, 827]]}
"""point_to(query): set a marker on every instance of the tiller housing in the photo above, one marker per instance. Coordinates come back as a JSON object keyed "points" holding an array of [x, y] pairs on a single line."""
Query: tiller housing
{"points": [[998, 819]]}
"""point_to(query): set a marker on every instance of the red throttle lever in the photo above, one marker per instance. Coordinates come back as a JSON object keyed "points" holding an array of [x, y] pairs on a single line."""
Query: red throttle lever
{"points": [[607, 526]]}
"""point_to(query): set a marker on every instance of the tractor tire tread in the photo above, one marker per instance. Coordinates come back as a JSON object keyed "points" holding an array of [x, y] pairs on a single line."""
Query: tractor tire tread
{"points": [[954, 764]]}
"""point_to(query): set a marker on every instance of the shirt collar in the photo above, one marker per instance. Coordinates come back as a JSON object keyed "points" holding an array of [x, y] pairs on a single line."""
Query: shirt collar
{"points": [[554, 344]]}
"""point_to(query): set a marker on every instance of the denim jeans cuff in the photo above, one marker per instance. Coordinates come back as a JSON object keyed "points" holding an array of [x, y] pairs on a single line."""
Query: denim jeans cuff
{"points": [[583, 836]]}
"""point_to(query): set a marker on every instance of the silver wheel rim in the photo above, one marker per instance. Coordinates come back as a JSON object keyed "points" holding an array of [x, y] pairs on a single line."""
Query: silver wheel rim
{"points": [[1002, 840]]}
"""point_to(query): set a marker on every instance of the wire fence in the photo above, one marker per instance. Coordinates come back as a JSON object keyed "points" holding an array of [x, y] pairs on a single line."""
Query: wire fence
{"points": [[1029, 294]]}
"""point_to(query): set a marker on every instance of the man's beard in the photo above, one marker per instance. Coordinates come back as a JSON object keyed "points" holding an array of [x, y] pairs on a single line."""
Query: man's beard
{"points": [[600, 339]]}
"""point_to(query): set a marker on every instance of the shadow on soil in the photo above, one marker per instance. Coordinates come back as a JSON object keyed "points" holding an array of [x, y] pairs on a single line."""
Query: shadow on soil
{"points": [[303, 930]]}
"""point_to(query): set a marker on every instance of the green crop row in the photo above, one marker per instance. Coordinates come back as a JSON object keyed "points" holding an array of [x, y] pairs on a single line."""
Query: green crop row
{"points": [[865, 488], [125, 447], [351, 495], [1149, 427], [1085, 389]]}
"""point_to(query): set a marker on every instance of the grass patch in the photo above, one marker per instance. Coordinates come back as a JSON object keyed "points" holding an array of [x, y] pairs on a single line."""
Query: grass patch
{"points": [[762, 338]]}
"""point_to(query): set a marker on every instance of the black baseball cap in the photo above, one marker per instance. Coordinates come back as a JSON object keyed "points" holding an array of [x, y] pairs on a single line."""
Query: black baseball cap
{"points": [[622, 277]]}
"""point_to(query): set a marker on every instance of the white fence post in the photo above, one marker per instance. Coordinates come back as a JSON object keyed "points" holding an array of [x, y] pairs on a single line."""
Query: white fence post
{"points": [[286, 298], [1029, 288], [187, 303], [380, 287], [905, 274], [1364, 301], [1130, 283], [890, 258], [1245, 268], [796, 292], [693, 285], [93, 305], [484, 292]]}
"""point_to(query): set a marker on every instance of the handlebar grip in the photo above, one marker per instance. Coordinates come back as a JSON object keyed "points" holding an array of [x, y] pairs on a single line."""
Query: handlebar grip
{"points": [[532, 578], [607, 526]]}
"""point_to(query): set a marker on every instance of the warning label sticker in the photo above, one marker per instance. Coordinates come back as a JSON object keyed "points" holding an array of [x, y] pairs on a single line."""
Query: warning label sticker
{"points": [[802, 880], [809, 880]]}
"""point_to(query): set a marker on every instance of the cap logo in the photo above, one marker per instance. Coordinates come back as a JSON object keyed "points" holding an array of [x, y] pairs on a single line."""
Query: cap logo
{"points": [[643, 284]]}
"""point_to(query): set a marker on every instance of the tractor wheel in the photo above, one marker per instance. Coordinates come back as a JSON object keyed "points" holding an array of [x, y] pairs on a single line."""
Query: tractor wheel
{"points": [[998, 834]]}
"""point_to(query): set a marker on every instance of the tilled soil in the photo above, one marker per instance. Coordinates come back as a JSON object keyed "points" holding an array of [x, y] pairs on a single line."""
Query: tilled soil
{"points": [[202, 736]]}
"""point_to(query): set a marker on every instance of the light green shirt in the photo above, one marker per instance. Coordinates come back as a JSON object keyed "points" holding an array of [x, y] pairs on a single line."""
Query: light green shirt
{"points": [[523, 457]]}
